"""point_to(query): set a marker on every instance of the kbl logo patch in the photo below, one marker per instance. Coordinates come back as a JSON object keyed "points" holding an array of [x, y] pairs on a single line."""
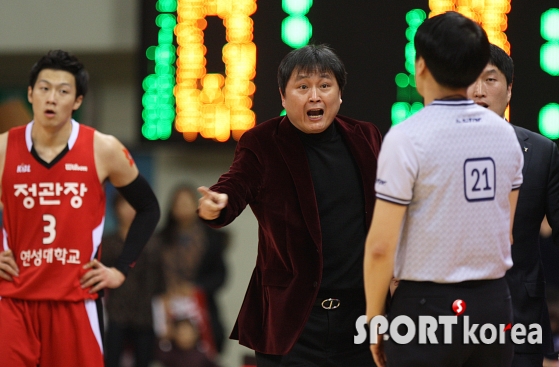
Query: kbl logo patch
{"points": [[23, 168]]}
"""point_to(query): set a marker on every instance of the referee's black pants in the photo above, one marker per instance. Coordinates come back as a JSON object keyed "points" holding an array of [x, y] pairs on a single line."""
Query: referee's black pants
{"points": [[327, 339], [527, 360], [486, 301]]}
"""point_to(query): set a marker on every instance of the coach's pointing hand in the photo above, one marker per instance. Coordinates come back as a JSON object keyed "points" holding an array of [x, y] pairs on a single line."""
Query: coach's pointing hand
{"points": [[211, 203]]}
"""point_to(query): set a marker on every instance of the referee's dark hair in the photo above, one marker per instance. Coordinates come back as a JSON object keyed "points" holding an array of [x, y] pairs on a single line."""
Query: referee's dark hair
{"points": [[455, 49], [499, 58], [311, 59]]}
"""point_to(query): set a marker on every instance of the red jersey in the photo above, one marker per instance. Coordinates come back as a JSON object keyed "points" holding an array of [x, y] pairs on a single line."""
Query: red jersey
{"points": [[53, 216]]}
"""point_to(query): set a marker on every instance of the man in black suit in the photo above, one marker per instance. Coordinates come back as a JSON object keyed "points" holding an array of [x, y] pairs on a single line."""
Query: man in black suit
{"points": [[539, 197]]}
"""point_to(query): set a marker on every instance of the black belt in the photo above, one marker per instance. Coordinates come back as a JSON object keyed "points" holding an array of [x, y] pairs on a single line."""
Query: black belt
{"points": [[330, 299]]}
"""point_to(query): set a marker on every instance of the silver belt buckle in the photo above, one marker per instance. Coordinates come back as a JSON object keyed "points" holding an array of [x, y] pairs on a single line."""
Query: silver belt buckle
{"points": [[330, 303]]}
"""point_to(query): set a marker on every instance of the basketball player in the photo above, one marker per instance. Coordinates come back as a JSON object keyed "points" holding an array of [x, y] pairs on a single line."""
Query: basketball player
{"points": [[53, 171]]}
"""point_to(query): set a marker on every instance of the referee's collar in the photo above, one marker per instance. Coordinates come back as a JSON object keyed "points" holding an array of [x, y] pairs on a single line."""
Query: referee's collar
{"points": [[453, 102]]}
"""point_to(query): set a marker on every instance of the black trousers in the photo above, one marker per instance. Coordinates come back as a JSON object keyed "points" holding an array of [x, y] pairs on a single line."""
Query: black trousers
{"points": [[486, 302], [141, 339], [327, 339]]}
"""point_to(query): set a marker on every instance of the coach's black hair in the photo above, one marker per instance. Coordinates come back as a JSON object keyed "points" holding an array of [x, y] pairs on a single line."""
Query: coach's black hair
{"points": [[308, 59]]}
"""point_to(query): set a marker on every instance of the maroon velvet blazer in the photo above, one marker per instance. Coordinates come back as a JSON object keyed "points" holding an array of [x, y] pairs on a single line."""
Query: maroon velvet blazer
{"points": [[270, 173]]}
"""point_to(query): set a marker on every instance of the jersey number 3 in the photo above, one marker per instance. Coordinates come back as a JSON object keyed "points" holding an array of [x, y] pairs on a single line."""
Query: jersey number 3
{"points": [[50, 229], [479, 179]]}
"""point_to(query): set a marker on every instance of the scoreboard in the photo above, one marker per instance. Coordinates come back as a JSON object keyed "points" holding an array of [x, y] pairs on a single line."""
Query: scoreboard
{"points": [[208, 67]]}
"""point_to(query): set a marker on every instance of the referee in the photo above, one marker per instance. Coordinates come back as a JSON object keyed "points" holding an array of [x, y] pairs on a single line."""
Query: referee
{"points": [[447, 186]]}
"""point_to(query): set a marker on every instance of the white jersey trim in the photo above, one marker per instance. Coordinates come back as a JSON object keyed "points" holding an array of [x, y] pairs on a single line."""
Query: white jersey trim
{"points": [[393, 199], [461, 102], [97, 236], [71, 140], [91, 310], [74, 134], [28, 139]]}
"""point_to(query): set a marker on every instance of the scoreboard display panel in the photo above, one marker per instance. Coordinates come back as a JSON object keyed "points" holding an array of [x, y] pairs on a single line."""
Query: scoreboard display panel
{"points": [[208, 67]]}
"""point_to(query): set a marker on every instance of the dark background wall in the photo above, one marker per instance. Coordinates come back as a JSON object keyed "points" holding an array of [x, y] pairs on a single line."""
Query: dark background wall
{"points": [[532, 87]]}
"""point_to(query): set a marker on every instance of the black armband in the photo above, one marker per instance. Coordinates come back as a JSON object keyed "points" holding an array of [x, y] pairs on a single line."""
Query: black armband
{"points": [[141, 197]]}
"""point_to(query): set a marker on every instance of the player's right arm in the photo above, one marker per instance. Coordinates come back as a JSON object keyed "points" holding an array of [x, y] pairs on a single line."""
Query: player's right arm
{"points": [[8, 266]]}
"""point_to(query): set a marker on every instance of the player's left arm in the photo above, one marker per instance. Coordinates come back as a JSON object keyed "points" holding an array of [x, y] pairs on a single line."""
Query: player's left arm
{"points": [[378, 264], [114, 162]]}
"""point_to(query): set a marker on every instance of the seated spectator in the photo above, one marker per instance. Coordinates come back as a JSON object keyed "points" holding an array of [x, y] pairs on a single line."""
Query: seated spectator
{"points": [[192, 257], [181, 349]]}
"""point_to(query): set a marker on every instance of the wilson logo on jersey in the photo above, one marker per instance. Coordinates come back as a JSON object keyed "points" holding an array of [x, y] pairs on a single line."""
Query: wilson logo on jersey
{"points": [[75, 167], [23, 168]]}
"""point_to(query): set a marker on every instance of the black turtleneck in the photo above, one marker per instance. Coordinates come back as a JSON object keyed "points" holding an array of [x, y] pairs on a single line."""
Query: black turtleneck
{"points": [[341, 207]]}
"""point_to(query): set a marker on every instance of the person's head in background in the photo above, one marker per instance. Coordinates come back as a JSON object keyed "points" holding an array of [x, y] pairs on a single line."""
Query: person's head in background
{"points": [[451, 52], [124, 213], [185, 334], [493, 87], [58, 82], [311, 80], [182, 210]]}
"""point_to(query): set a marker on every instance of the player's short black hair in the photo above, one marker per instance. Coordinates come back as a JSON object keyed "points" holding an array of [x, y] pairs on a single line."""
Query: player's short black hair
{"points": [[455, 49], [62, 60], [311, 58], [499, 58]]}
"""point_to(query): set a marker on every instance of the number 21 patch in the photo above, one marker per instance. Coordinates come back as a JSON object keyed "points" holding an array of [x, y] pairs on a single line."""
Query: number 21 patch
{"points": [[479, 179]]}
